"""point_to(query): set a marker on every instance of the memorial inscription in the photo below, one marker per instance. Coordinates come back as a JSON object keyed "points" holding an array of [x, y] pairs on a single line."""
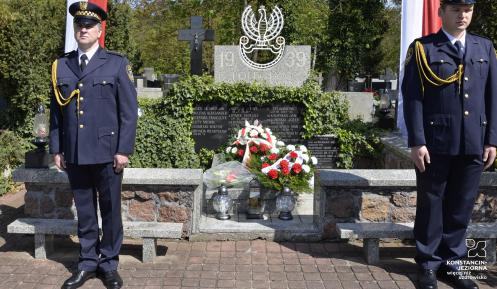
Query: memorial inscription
{"points": [[325, 149], [213, 124]]}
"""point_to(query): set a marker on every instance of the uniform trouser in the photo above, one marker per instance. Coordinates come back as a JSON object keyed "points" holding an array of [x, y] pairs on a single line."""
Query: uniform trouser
{"points": [[446, 195], [86, 181]]}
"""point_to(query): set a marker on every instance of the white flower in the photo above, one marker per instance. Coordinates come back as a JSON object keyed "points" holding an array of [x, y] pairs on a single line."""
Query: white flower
{"points": [[290, 147], [306, 168], [253, 133], [314, 160], [302, 148], [305, 157], [280, 143], [234, 150], [275, 151], [263, 158], [228, 149]]}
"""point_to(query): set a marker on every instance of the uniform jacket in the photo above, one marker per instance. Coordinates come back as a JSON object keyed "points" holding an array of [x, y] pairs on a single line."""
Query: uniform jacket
{"points": [[105, 123], [446, 121]]}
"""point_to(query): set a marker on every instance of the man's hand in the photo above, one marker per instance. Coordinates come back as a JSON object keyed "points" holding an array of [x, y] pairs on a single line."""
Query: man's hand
{"points": [[59, 161], [488, 156], [120, 162], [420, 155]]}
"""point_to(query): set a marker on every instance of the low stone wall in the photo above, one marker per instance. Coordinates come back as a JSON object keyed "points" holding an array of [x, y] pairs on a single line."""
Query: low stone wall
{"points": [[153, 195], [386, 196], [396, 154]]}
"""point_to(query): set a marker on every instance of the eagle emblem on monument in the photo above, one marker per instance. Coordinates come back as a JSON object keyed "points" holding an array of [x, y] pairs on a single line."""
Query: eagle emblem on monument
{"points": [[262, 37]]}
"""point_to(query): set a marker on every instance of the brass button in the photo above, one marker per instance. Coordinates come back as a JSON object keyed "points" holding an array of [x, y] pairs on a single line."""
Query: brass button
{"points": [[481, 59], [81, 126], [80, 84], [104, 82], [81, 112], [484, 123], [466, 95], [81, 98], [112, 133], [431, 122], [466, 78], [442, 61], [466, 113]]}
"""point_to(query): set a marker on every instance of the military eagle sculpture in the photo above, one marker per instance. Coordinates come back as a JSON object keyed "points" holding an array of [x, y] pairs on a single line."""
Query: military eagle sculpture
{"points": [[262, 34]]}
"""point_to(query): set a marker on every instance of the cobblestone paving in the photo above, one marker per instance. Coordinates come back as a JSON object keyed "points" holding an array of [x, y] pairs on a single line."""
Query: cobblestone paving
{"points": [[242, 264]]}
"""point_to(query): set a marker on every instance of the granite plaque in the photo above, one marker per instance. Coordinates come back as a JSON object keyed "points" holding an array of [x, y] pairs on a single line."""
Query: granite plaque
{"points": [[325, 149], [210, 125], [292, 70], [215, 124]]}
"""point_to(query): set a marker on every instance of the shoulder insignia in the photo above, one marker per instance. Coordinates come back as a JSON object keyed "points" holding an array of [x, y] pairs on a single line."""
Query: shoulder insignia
{"points": [[478, 35], [68, 53], [115, 53], [408, 56], [130, 73]]}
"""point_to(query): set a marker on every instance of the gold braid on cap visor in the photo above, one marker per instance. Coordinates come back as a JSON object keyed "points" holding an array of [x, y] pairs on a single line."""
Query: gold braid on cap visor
{"points": [[88, 14]]}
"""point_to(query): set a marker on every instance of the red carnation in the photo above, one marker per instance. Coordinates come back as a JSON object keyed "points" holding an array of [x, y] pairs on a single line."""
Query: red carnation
{"points": [[273, 157], [284, 164], [265, 165], [297, 168], [285, 171], [293, 155], [273, 174], [253, 149], [240, 153], [264, 147]]}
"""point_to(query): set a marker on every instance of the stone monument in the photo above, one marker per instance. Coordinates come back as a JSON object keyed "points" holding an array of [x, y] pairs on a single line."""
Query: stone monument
{"points": [[262, 55]]}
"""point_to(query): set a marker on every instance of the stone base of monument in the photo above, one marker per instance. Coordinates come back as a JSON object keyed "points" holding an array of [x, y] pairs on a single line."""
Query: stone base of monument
{"points": [[303, 227]]}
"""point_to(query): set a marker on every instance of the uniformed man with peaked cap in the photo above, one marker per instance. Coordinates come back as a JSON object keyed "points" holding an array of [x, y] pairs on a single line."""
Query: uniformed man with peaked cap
{"points": [[450, 108], [93, 117]]}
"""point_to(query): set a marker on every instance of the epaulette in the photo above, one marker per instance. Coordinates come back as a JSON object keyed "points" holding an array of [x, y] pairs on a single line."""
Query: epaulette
{"points": [[66, 54], [481, 36], [115, 53]]}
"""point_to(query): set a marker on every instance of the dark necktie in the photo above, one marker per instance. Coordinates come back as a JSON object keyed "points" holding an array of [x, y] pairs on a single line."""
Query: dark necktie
{"points": [[460, 49], [83, 61]]}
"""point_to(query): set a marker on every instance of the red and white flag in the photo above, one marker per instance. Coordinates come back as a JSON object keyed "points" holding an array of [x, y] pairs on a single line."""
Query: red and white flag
{"points": [[70, 43], [419, 18]]}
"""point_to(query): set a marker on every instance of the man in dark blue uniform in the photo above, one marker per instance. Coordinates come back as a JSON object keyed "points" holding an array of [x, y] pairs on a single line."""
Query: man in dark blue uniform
{"points": [[92, 133], [450, 107]]}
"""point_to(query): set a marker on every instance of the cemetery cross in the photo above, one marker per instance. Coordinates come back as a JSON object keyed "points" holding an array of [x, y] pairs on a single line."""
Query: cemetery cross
{"points": [[196, 35]]}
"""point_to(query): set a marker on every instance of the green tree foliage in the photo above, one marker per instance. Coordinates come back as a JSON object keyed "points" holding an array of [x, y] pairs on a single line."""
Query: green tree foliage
{"points": [[390, 43], [31, 37], [355, 30], [156, 24], [484, 17], [118, 31]]}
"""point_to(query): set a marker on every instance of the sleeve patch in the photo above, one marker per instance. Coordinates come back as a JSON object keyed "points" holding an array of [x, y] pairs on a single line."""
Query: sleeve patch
{"points": [[130, 72], [408, 56]]}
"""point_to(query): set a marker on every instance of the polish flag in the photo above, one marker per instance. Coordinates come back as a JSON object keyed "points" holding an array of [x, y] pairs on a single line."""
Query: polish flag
{"points": [[419, 18], [70, 43]]}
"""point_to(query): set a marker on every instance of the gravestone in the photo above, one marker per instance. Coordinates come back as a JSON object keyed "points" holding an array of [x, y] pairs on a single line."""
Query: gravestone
{"points": [[149, 76], [167, 82], [360, 105], [196, 35], [292, 70]]}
